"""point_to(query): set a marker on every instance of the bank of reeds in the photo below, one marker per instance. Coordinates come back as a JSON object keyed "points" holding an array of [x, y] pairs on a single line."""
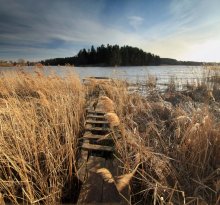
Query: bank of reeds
{"points": [[174, 138], [169, 145], [40, 119]]}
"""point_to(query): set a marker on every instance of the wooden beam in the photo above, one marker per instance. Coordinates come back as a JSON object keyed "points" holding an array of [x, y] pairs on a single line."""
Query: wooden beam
{"points": [[91, 191], [96, 112], [97, 121], [95, 190], [87, 128], [81, 174], [110, 192], [96, 147], [96, 116], [89, 135]]}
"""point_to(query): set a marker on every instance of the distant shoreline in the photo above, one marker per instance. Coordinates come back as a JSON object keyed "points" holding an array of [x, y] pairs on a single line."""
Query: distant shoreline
{"points": [[99, 66], [117, 66]]}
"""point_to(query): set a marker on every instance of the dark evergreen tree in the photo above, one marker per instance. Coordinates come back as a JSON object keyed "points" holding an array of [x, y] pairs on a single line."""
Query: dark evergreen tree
{"points": [[108, 56]]}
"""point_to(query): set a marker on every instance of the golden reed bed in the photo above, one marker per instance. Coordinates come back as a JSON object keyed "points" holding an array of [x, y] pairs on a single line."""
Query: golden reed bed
{"points": [[169, 151]]}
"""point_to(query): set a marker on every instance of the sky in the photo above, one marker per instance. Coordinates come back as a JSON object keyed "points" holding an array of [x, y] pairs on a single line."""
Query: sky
{"points": [[42, 29]]}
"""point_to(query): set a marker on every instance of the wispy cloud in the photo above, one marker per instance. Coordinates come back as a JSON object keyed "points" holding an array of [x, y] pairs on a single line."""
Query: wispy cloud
{"points": [[68, 32], [135, 21], [36, 31], [190, 33]]}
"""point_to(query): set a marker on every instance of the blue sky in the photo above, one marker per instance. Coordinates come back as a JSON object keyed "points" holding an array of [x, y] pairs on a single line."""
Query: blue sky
{"points": [[40, 29]]}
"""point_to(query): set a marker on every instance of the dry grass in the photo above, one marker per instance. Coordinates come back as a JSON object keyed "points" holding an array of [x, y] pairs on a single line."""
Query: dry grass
{"points": [[121, 181], [105, 104], [112, 119], [170, 144], [40, 118], [176, 138]]}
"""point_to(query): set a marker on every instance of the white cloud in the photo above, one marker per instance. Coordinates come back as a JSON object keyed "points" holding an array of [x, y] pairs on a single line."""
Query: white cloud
{"points": [[190, 33], [135, 21]]}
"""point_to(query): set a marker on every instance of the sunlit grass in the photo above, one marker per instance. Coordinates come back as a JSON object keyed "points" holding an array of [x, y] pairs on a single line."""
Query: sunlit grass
{"points": [[213, 67], [171, 140], [40, 119], [175, 137]]}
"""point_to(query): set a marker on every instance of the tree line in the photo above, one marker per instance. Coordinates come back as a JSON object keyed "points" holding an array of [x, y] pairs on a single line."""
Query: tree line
{"points": [[108, 56], [170, 61]]}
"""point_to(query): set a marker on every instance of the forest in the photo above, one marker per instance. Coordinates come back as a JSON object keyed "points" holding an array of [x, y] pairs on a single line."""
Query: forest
{"points": [[108, 56]]}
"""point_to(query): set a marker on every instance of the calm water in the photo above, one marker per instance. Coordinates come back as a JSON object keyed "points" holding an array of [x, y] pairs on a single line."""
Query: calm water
{"points": [[181, 74], [141, 73]]}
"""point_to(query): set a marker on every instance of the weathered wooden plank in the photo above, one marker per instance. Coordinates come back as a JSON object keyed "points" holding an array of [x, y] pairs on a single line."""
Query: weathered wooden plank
{"points": [[89, 135], [96, 116], [88, 127], [97, 121], [97, 112], [94, 189], [91, 191], [81, 174], [110, 192], [113, 165], [98, 129], [96, 147]]}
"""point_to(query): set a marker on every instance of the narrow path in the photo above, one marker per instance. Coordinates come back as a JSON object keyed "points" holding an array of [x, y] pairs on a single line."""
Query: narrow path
{"points": [[97, 152]]}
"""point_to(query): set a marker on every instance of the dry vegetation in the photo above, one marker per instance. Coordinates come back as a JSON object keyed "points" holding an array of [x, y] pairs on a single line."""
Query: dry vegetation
{"points": [[40, 119], [174, 137], [170, 144]]}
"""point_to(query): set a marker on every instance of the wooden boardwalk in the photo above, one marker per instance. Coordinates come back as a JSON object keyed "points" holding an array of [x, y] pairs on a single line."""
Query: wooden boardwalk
{"points": [[97, 152]]}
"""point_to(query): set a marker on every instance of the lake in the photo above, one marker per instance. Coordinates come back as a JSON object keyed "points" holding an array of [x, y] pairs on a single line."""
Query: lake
{"points": [[180, 74]]}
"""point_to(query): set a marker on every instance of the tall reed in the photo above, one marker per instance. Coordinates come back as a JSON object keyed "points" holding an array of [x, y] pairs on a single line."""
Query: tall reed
{"points": [[40, 118], [174, 140]]}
